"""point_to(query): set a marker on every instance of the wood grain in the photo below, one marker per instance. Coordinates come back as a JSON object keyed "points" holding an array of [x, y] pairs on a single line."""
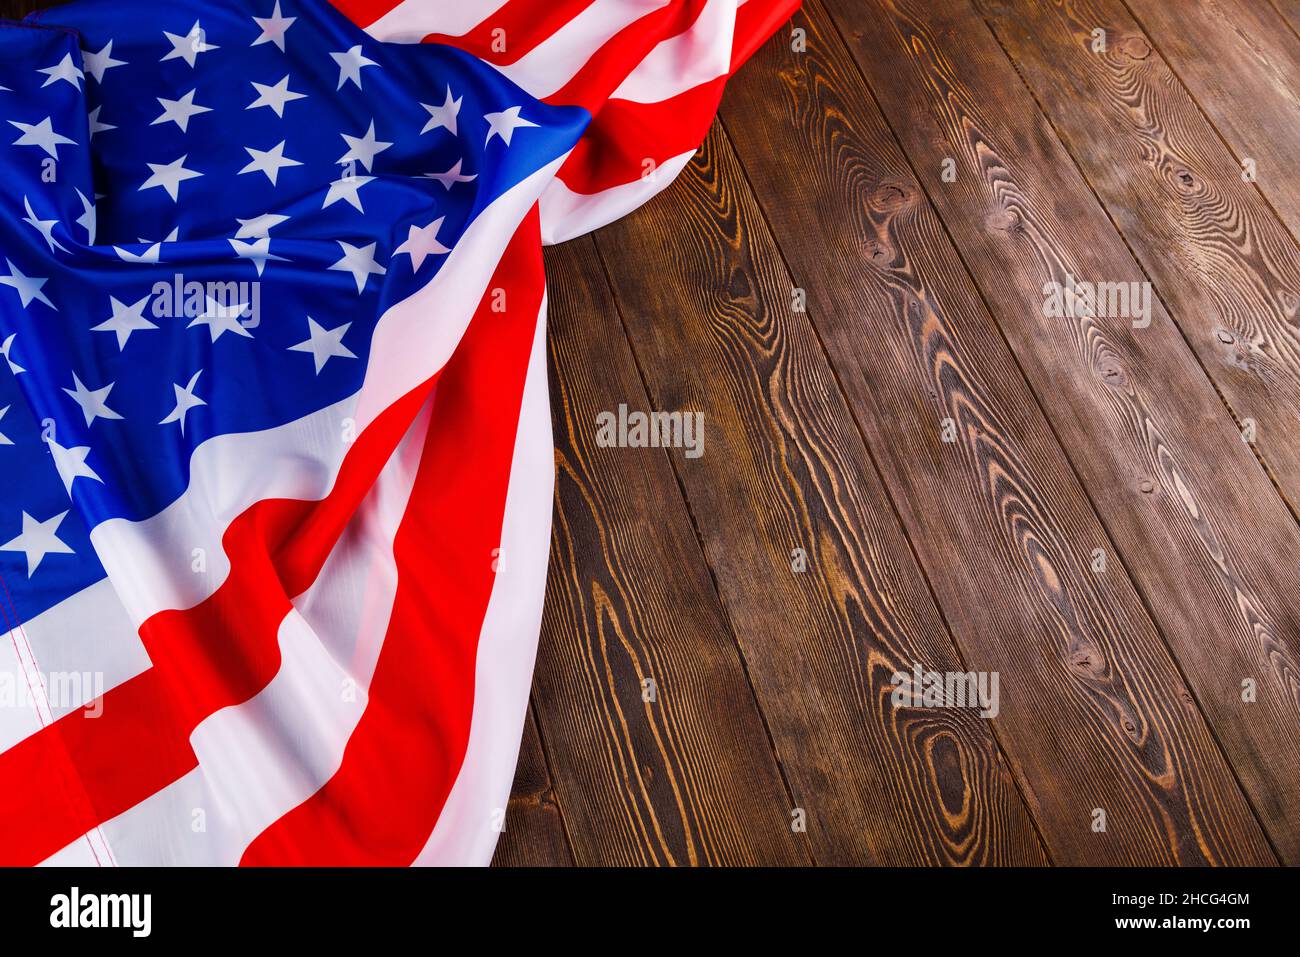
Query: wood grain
{"points": [[534, 826], [1225, 266], [785, 468], [1289, 10], [1249, 86], [1095, 715], [690, 777], [1197, 521]]}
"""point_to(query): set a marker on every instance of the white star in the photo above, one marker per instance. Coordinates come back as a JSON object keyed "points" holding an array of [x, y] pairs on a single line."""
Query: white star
{"points": [[152, 255], [88, 220], [258, 251], [97, 64], [125, 320], [275, 96], [185, 400], [4, 350], [452, 176], [324, 344], [38, 540], [269, 161], [221, 318], [4, 439], [505, 123], [259, 227], [92, 401], [14, 367], [169, 176], [189, 47], [43, 226], [41, 134], [346, 188], [95, 125], [363, 149], [180, 111], [65, 70], [443, 116], [360, 261], [351, 65], [421, 242], [71, 464], [273, 28], [28, 287]]}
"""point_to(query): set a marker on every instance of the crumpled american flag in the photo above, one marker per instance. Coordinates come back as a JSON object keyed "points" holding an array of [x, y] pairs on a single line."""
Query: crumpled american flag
{"points": [[275, 451]]}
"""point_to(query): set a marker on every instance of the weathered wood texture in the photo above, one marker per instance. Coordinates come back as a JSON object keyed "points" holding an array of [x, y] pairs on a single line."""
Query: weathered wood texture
{"points": [[1241, 62], [1194, 517], [534, 828], [1001, 523], [1290, 12], [658, 751], [785, 469], [1225, 266]]}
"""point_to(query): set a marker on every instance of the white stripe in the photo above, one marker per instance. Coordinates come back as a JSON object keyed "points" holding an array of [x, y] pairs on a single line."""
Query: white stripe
{"points": [[260, 759], [507, 646], [413, 20], [681, 63], [558, 59], [23, 707], [87, 635], [566, 214]]}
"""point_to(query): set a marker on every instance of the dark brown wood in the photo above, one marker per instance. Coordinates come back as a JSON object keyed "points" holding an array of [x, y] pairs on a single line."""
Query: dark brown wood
{"points": [[689, 777], [1225, 266], [1241, 61], [1096, 717], [534, 826], [1196, 519], [784, 468]]}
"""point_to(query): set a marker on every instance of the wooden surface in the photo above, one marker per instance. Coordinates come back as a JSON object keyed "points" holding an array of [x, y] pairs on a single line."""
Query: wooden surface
{"points": [[1122, 689], [907, 464]]}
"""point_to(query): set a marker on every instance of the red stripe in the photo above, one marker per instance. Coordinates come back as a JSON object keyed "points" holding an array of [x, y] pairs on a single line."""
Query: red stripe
{"points": [[609, 66], [756, 21], [620, 139], [365, 12], [402, 759], [221, 652], [624, 134]]}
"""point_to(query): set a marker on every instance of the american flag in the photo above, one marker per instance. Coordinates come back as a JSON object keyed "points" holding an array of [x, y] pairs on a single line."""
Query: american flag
{"points": [[275, 449]]}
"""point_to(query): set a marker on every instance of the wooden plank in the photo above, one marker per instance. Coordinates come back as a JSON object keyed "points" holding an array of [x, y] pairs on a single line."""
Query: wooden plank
{"points": [[1289, 10], [1225, 266], [785, 468], [688, 777], [534, 827], [1201, 528], [1241, 61], [1096, 717]]}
